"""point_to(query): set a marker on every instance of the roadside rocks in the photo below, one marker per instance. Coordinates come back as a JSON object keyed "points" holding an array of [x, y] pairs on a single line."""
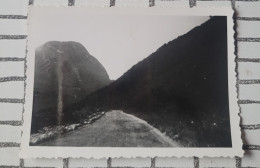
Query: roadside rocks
{"points": [[48, 133]]}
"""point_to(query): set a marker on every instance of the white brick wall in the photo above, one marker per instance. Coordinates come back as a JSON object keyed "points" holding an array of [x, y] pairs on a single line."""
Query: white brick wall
{"points": [[9, 112]]}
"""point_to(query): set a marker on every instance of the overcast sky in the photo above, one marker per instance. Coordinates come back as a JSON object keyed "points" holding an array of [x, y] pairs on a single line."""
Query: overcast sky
{"points": [[117, 41]]}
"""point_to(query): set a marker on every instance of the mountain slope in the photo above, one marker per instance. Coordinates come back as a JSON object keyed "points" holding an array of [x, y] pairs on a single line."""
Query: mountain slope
{"points": [[65, 73], [181, 88]]}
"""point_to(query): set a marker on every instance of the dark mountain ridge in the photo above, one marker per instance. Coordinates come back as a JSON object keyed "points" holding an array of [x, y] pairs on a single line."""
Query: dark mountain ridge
{"points": [[65, 73], [181, 89]]}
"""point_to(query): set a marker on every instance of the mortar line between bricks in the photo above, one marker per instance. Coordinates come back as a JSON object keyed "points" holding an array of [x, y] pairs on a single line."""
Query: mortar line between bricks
{"points": [[12, 79], [153, 162], [12, 37], [13, 17], [66, 163], [248, 39], [192, 3], [249, 81], [250, 127], [21, 163], [216, 0], [233, 4], [248, 18], [196, 162], [255, 60], [11, 122], [238, 162], [31, 2], [4, 100], [151, 3], [9, 144], [251, 147], [71, 2], [109, 162], [248, 0], [5, 59], [112, 3], [248, 101]]}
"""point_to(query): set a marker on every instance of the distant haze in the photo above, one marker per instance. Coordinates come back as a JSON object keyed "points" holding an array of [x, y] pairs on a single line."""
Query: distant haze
{"points": [[118, 42]]}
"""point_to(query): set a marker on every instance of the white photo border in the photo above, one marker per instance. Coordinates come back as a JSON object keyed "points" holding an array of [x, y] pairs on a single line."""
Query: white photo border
{"points": [[132, 152]]}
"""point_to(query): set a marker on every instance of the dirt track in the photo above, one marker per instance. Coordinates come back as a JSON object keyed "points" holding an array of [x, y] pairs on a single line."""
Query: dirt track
{"points": [[114, 129]]}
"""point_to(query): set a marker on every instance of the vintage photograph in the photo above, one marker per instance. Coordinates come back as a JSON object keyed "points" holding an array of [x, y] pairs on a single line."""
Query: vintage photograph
{"points": [[130, 80]]}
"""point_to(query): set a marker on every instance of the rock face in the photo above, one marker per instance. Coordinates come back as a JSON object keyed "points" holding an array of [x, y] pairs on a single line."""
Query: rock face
{"points": [[182, 88], [65, 73]]}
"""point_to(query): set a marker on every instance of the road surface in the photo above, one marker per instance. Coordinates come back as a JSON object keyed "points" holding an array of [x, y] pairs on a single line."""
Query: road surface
{"points": [[114, 129]]}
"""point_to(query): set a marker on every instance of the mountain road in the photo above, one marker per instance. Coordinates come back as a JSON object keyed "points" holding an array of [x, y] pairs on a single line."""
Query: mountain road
{"points": [[114, 129]]}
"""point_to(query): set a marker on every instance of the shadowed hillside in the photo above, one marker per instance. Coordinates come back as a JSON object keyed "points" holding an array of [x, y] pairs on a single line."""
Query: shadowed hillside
{"points": [[65, 73], [181, 89]]}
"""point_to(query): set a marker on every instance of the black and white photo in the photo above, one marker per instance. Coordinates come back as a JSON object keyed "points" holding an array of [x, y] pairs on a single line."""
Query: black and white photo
{"points": [[150, 82]]}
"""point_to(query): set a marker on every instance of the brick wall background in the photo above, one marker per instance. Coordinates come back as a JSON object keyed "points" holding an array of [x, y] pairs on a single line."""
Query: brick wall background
{"points": [[13, 34]]}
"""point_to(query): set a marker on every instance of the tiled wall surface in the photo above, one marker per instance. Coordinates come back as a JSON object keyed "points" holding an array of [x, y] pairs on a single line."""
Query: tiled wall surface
{"points": [[13, 34]]}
